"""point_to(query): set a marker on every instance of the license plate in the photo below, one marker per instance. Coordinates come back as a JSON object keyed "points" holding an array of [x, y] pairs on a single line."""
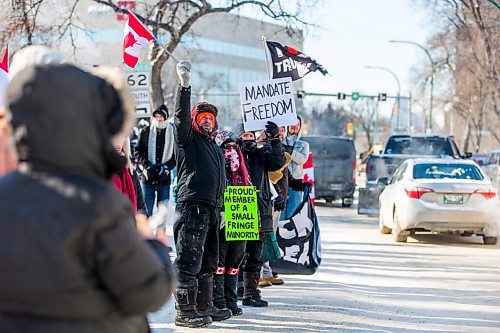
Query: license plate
{"points": [[454, 199]]}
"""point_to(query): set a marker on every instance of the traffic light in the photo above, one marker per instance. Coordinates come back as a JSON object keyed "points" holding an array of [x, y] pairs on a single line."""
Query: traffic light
{"points": [[355, 96], [301, 94], [340, 95], [382, 97], [350, 128]]}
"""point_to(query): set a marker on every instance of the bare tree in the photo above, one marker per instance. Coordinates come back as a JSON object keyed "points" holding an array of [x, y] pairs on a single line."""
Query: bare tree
{"points": [[365, 114], [174, 18], [467, 44]]}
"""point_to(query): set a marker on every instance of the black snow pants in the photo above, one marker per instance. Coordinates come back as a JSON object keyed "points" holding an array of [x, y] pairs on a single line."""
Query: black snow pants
{"points": [[196, 236]]}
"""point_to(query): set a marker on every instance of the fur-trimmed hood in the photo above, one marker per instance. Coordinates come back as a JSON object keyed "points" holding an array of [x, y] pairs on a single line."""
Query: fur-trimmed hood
{"points": [[65, 119]]}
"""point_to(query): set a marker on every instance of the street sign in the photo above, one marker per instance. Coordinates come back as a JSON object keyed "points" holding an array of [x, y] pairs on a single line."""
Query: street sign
{"points": [[139, 80], [142, 110], [139, 83]]}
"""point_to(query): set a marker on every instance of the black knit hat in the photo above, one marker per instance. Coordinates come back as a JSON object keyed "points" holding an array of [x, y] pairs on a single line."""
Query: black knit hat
{"points": [[162, 109]]}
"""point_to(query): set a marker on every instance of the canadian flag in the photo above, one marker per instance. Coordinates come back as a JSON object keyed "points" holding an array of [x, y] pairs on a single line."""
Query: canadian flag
{"points": [[136, 37], [4, 75]]}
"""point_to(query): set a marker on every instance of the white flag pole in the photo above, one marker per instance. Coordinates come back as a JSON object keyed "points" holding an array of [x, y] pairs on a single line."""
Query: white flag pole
{"points": [[165, 49]]}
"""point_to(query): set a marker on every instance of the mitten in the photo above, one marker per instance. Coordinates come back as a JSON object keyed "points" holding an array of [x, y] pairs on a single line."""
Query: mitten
{"points": [[183, 71]]}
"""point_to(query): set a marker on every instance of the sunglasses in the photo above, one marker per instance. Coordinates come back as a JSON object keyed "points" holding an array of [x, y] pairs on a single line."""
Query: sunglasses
{"points": [[230, 145]]}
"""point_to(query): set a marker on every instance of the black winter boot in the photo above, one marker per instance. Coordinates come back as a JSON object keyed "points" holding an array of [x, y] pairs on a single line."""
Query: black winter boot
{"points": [[205, 305], [230, 294], [186, 309], [251, 295], [219, 299]]}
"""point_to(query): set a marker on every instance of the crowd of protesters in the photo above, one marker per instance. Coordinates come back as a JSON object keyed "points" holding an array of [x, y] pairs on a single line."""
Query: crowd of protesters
{"points": [[78, 254]]}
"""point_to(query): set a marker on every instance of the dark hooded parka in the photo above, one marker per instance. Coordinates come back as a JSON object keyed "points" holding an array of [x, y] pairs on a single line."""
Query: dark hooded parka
{"points": [[71, 259]]}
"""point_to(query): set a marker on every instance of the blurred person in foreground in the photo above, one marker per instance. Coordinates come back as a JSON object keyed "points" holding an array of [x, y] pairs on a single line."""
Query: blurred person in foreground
{"points": [[8, 157], [201, 184], [31, 55], [72, 259]]}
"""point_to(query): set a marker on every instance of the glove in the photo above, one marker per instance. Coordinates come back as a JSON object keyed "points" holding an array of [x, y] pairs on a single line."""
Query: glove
{"points": [[279, 204], [163, 170], [296, 184], [272, 131], [151, 173], [248, 146], [288, 149], [183, 71]]}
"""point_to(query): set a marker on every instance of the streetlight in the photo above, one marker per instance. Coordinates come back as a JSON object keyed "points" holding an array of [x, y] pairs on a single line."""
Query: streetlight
{"points": [[429, 126], [399, 88]]}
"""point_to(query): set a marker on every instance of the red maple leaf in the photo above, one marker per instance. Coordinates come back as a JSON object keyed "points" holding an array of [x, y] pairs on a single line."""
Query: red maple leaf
{"points": [[308, 180], [129, 40]]}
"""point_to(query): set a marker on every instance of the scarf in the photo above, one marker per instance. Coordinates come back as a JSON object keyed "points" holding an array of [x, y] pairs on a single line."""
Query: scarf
{"points": [[123, 182], [236, 170], [168, 149]]}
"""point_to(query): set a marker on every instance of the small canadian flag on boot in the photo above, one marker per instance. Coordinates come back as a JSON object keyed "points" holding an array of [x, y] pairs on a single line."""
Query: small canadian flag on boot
{"points": [[136, 37]]}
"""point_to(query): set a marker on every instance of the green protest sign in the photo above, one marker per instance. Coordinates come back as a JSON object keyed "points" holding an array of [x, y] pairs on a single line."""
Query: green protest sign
{"points": [[240, 211]]}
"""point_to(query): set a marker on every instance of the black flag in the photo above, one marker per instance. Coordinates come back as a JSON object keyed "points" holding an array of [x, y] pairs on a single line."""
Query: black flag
{"points": [[299, 240], [288, 62]]}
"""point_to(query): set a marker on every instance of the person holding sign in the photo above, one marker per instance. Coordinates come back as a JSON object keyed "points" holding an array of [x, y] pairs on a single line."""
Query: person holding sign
{"points": [[264, 152], [230, 252], [201, 183]]}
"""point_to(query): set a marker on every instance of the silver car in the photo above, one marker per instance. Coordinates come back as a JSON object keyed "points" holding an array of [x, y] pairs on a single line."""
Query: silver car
{"points": [[439, 195]]}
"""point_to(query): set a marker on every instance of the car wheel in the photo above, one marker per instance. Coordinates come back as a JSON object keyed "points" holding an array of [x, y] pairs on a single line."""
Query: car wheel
{"points": [[399, 235], [381, 227], [490, 240]]}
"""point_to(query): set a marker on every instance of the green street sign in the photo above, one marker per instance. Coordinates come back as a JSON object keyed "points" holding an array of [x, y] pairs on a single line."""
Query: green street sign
{"points": [[355, 96]]}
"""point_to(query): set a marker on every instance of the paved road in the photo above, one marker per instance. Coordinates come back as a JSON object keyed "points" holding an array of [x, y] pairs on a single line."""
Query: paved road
{"points": [[369, 283]]}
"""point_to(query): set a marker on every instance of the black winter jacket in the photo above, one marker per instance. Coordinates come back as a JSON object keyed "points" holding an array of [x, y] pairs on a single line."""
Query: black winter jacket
{"points": [[71, 259], [260, 161], [200, 162]]}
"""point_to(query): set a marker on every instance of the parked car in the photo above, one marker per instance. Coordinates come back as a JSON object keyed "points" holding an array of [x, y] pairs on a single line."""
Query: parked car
{"points": [[492, 167], [334, 167], [439, 195]]}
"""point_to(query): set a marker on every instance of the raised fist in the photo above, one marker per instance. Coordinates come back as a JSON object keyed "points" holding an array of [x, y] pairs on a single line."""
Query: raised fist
{"points": [[183, 71], [272, 130]]}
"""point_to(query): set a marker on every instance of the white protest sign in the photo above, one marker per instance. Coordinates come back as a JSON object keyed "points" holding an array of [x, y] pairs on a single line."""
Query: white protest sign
{"points": [[271, 100]]}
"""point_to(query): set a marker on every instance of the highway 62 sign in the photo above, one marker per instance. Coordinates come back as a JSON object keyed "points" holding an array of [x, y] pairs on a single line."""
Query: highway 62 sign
{"points": [[139, 82]]}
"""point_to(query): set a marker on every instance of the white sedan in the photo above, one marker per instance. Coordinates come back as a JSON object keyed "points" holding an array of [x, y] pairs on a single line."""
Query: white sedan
{"points": [[439, 195]]}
